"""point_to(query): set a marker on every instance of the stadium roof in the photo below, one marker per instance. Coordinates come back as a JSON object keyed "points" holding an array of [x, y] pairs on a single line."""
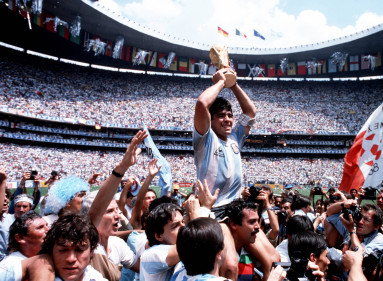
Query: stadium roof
{"points": [[99, 20]]}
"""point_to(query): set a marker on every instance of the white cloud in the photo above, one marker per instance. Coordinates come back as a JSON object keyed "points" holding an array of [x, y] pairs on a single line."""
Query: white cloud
{"points": [[198, 20]]}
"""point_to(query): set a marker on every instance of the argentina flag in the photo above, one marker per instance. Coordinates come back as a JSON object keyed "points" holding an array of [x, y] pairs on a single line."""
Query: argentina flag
{"points": [[165, 173]]}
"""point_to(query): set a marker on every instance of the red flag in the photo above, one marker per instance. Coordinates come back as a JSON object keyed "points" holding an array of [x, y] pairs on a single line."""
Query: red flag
{"points": [[363, 164]]}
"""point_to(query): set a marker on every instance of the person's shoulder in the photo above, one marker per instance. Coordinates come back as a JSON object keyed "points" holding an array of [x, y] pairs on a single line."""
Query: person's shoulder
{"points": [[92, 274]]}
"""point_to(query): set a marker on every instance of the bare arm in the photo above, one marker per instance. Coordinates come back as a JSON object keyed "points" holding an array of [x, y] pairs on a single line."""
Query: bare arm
{"points": [[109, 187], [122, 201], [353, 261], [272, 215], [263, 251], [172, 257], [205, 100], [135, 219], [247, 106]]}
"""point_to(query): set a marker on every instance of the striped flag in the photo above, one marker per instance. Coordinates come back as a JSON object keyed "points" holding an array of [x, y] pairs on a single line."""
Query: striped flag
{"points": [[183, 65], [165, 174], [354, 63], [223, 32], [239, 33]]}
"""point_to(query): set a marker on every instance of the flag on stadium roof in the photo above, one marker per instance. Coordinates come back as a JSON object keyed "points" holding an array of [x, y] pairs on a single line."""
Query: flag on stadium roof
{"points": [[239, 33], [256, 33], [363, 163], [223, 32]]}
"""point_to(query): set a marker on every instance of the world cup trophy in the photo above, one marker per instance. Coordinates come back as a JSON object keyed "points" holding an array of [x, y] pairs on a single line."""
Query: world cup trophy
{"points": [[220, 58]]}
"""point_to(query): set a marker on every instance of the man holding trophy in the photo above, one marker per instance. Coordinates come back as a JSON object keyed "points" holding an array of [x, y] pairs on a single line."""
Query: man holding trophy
{"points": [[217, 146], [216, 143]]}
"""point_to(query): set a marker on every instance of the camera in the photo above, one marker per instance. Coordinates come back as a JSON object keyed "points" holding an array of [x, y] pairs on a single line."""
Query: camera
{"points": [[354, 211], [369, 193], [254, 192], [370, 262], [333, 198], [282, 217], [318, 190], [33, 175], [298, 269]]}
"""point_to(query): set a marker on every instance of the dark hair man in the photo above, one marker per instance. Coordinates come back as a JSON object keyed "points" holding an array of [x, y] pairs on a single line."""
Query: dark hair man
{"points": [[243, 225], [26, 235], [366, 228], [200, 248], [307, 247], [162, 226], [217, 145]]}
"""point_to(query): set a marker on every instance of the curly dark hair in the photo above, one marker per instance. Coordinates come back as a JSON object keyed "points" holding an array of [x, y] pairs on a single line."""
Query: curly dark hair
{"points": [[218, 105], [158, 218], [234, 210], [70, 228], [20, 226]]}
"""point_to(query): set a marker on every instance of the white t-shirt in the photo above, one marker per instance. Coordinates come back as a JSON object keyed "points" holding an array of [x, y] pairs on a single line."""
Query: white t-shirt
{"points": [[120, 253], [90, 274], [153, 266], [13, 260]]}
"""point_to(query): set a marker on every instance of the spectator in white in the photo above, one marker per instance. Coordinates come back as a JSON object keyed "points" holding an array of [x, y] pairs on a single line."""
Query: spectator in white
{"points": [[126, 197], [26, 236], [65, 195]]}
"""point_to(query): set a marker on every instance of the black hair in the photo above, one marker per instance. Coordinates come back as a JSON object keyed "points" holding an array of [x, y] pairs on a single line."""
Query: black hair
{"points": [[305, 243], [288, 200], [72, 228], [157, 219], [218, 105], [378, 213], [300, 247], [198, 243], [267, 188], [299, 201], [20, 226], [234, 210], [298, 224], [161, 200]]}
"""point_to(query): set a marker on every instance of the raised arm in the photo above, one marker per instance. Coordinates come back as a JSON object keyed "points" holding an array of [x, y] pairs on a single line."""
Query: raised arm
{"points": [[122, 201], [247, 106], [135, 220], [205, 100], [109, 187]]}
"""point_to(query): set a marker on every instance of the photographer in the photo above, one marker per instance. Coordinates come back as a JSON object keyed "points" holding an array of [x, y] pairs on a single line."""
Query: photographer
{"points": [[308, 255], [363, 228], [263, 196], [376, 194]]}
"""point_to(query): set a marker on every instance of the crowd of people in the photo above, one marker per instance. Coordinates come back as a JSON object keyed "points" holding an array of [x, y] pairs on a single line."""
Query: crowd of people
{"points": [[299, 171], [55, 90], [226, 228]]}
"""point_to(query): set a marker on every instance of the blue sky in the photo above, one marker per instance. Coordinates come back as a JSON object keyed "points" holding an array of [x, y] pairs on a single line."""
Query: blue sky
{"points": [[284, 23]]}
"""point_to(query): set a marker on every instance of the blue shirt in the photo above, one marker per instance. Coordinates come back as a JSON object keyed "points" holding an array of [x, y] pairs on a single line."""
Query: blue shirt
{"points": [[219, 162]]}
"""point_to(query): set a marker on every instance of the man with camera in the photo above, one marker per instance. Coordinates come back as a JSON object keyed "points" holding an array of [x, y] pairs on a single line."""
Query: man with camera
{"points": [[363, 227]]}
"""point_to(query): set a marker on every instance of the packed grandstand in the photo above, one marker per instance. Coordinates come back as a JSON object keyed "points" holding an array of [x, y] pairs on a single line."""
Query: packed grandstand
{"points": [[52, 118]]}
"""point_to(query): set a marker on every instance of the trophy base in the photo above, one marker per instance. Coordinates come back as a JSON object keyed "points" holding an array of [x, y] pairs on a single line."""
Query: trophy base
{"points": [[231, 79]]}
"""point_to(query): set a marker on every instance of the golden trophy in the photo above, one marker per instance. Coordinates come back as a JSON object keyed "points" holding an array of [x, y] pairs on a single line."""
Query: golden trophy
{"points": [[220, 58]]}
